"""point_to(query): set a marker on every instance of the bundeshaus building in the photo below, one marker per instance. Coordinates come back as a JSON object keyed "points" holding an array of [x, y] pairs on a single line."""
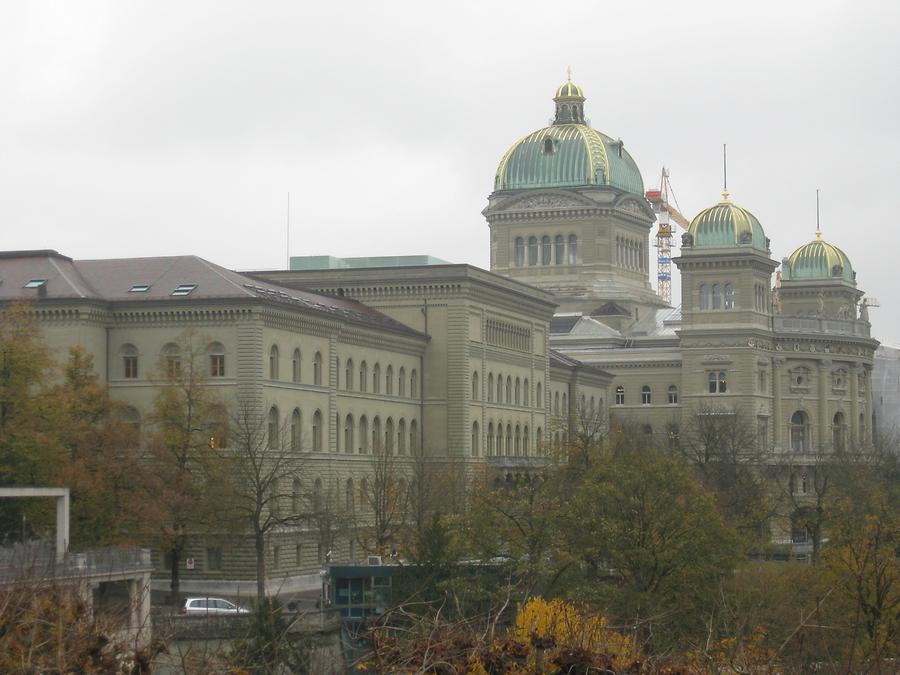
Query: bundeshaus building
{"points": [[476, 367]]}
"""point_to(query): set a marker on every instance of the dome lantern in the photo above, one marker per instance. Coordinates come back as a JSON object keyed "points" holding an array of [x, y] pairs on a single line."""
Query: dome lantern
{"points": [[569, 101]]}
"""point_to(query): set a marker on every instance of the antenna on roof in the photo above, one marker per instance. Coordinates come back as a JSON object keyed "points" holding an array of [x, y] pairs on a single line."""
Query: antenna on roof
{"points": [[288, 244], [818, 229], [724, 172]]}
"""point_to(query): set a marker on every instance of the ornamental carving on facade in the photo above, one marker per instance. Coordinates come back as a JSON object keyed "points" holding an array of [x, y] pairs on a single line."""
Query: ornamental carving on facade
{"points": [[546, 201]]}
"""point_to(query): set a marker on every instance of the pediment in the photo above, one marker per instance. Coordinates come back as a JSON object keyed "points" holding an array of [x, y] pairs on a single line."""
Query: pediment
{"points": [[545, 201], [635, 205]]}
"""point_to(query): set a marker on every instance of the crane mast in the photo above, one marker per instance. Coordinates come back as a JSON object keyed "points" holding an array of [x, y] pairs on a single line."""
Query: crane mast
{"points": [[667, 216]]}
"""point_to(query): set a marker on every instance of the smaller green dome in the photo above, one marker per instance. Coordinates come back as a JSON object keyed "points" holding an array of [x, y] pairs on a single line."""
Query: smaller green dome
{"points": [[569, 90], [725, 225], [818, 260]]}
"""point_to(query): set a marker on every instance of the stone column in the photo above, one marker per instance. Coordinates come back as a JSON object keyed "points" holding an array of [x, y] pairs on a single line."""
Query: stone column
{"points": [[824, 369], [777, 363], [854, 405]]}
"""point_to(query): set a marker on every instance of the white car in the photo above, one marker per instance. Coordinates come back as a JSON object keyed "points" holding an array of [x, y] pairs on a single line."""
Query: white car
{"points": [[211, 606]]}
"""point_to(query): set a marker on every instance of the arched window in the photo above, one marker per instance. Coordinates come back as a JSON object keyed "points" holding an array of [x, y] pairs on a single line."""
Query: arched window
{"points": [[401, 437], [129, 355], [704, 296], [363, 435], [520, 252], [838, 431], [348, 433], [645, 394], [414, 384], [413, 437], [526, 393], [526, 442], [348, 375], [509, 389], [348, 496], [620, 395], [729, 296], [716, 296], [273, 362], [132, 418], [565, 404], [475, 388], [673, 394], [490, 388], [539, 396], [401, 382], [556, 403], [518, 446], [559, 246], [389, 380], [799, 431], [171, 360], [216, 353], [532, 250], [718, 383], [573, 249], [318, 501], [296, 430], [538, 440], [476, 440], [499, 388], [218, 427], [273, 427], [317, 431], [499, 451], [518, 395], [363, 495], [376, 378], [296, 363], [509, 437], [296, 494], [546, 250], [376, 435], [364, 376], [489, 448], [593, 407], [317, 368], [389, 436]]}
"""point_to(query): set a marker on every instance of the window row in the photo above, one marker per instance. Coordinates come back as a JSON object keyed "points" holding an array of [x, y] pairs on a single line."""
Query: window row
{"points": [[560, 250], [359, 380], [508, 391], [507, 441], [356, 436], [351, 378], [630, 253], [717, 296], [801, 438], [170, 360], [505, 334], [647, 395]]}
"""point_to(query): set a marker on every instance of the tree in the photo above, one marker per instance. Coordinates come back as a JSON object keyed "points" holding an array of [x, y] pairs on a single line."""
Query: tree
{"points": [[184, 477], [102, 456], [386, 497], [641, 521], [588, 432], [723, 446], [262, 468]]}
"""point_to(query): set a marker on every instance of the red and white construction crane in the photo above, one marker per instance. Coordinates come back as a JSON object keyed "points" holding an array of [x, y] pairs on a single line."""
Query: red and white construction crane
{"points": [[666, 213]]}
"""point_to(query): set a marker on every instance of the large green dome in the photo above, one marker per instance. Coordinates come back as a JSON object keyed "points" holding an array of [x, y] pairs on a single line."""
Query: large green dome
{"points": [[818, 260], [569, 153], [725, 225]]}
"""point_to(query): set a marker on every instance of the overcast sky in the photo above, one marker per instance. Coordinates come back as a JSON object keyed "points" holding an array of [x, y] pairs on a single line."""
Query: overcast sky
{"points": [[160, 128]]}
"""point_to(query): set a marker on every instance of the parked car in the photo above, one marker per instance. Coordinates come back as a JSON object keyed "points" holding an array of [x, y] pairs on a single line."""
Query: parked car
{"points": [[211, 606]]}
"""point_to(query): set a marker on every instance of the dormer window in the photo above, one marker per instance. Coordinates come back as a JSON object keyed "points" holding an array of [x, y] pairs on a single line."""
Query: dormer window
{"points": [[549, 148], [35, 283], [184, 289], [139, 288]]}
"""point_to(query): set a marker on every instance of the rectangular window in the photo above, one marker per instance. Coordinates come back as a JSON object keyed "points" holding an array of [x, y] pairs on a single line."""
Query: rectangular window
{"points": [[131, 367], [217, 365], [717, 382], [620, 396], [35, 283], [298, 555], [173, 365], [276, 557], [184, 289], [214, 559], [762, 433]]}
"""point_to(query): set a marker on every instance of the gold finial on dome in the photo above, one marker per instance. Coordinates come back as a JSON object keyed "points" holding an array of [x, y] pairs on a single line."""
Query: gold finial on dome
{"points": [[725, 194]]}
